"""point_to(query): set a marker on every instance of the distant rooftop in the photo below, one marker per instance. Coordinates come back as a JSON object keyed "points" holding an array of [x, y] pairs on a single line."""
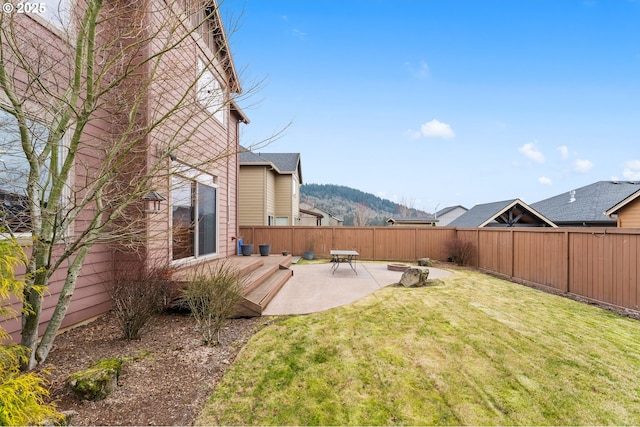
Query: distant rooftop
{"points": [[283, 162], [586, 205]]}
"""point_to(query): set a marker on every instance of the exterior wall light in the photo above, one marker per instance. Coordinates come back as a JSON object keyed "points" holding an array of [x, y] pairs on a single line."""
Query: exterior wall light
{"points": [[156, 200]]}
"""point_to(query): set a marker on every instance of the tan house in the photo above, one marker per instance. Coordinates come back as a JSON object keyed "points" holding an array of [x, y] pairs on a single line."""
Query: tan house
{"points": [[314, 216], [627, 212], [269, 188]]}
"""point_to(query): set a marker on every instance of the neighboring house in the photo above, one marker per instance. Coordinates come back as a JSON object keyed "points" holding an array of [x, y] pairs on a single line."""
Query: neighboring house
{"points": [[627, 212], [314, 216], [594, 205], [269, 188], [197, 215], [428, 221], [446, 215], [508, 213]]}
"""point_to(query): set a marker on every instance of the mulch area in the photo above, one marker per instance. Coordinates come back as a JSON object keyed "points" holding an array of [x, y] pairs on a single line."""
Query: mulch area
{"points": [[168, 375]]}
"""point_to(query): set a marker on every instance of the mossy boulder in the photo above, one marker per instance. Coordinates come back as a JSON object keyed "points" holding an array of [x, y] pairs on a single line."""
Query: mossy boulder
{"points": [[425, 262], [414, 277], [98, 381]]}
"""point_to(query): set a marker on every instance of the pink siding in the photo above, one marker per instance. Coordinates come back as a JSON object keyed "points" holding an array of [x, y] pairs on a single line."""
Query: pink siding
{"points": [[209, 146]]}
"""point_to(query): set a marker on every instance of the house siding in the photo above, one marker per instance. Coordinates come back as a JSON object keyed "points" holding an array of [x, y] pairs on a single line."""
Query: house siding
{"points": [[629, 216], [90, 296], [295, 200], [252, 195], [212, 147], [284, 198], [444, 220], [270, 194]]}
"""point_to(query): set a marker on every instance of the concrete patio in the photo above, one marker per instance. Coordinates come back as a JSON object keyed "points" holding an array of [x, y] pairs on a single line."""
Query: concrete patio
{"points": [[314, 288]]}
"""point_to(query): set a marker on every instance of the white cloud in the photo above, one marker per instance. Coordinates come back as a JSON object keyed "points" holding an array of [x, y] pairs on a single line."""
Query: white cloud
{"points": [[419, 71], [564, 151], [299, 34], [582, 165], [631, 170], [544, 180], [531, 151], [437, 129], [412, 134]]}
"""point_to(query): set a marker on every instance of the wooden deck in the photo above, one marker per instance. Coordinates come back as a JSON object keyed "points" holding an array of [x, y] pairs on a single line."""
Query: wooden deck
{"points": [[264, 277]]}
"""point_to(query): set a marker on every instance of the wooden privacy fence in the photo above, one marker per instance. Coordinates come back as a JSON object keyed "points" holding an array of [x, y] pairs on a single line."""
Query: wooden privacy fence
{"points": [[600, 264], [373, 243]]}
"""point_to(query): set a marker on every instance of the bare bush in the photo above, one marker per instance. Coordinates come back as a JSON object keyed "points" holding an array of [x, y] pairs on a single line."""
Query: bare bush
{"points": [[212, 296], [138, 295], [459, 251]]}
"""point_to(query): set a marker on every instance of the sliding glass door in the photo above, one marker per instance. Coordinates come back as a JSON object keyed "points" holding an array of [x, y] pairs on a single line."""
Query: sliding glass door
{"points": [[195, 223]]}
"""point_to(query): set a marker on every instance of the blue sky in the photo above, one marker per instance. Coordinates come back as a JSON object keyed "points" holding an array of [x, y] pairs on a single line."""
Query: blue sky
{"points": [[436, 103]]}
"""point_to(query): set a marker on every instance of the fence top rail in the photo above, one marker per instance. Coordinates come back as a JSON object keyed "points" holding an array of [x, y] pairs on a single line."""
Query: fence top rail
{"points": [[572, 230]]}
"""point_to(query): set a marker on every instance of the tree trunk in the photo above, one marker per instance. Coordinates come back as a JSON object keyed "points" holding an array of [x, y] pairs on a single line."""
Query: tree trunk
{"points": [[30, 321], [62, 306]]}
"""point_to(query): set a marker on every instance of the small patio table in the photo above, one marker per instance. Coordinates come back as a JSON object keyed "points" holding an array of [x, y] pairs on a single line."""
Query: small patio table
{"points": [[340, 256]]}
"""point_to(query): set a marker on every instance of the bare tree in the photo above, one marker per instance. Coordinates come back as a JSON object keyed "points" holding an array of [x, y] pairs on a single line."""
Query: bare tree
{"points": [[406, 207], [361, 215], [93, 115]]}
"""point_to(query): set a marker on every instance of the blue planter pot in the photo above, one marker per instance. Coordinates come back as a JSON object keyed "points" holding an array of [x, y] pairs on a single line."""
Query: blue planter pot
{"points": [[247, 249]]}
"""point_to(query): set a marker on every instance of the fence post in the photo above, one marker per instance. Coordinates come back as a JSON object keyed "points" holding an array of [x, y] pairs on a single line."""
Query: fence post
{"points": [[567, 261], [513, 253], [477, 248]]}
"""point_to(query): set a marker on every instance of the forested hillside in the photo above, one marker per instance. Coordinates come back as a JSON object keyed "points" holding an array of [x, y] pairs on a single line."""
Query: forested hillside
{"points": [[354, 206]]}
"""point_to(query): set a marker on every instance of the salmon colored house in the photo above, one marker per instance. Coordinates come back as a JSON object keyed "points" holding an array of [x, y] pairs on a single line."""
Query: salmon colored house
{"points": [[191, 214]]}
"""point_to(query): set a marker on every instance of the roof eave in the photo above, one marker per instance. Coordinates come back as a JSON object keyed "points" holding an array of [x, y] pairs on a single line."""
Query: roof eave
{"points": [[234, 80], [243, 117], [622, 204], [524, 205]]}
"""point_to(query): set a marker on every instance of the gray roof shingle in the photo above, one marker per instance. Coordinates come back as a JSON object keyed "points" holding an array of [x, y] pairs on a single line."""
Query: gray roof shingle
{"points": [[586, 204], [448, 209], [283, 162], [490, 214], [478, 214]]}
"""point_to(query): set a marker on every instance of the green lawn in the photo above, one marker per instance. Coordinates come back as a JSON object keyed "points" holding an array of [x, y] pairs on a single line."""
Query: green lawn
{"points": [[474, 350]]}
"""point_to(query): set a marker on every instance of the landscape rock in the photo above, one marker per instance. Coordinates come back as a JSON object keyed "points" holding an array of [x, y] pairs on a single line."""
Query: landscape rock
{"points": [[98, 381], [414, 277], [425, 262]]}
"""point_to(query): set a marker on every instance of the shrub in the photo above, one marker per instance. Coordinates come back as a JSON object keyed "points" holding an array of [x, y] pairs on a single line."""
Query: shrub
{"points": [[459, 251], [138, 295], [22, 395], [212, 297]]}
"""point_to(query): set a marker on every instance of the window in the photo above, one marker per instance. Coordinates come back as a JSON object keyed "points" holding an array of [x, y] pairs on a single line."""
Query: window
{"points": [[55, 11], [14, 171], [195, 222], [210, 93]]}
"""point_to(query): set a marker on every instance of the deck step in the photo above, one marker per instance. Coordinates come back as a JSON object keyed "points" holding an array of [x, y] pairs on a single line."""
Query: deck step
{"points": [[263, 278], [257, 299]]}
